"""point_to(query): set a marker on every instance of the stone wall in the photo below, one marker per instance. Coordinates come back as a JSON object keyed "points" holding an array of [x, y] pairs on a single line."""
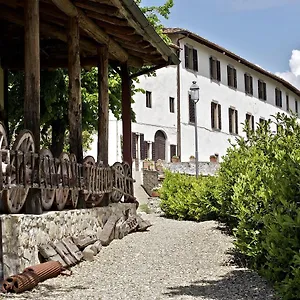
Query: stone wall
{"points": [[23, 234], [150, 180]]}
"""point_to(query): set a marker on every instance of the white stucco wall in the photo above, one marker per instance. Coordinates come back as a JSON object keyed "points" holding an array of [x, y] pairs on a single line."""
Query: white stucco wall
{"points": [[164, 85]]}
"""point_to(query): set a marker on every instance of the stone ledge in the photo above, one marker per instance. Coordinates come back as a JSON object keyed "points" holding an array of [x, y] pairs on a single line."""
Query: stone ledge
{"points": [[24, 234]]}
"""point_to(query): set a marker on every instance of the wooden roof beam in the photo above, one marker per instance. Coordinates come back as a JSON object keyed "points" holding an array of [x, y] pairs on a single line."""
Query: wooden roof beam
{"points": [[92, 29]]}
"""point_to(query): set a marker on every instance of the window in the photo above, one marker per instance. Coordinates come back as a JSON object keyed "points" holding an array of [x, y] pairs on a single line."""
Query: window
{"points": [[144, 147], [231, 76], [215, 69], [216, 117], [233, 121], [191, 110], [287, 101], [134, 140], [250, 121], [248, 84], [172, 151], [296, 107], [148, 99], [278, 97], [191, 58], [262, 90], [172, 104]]}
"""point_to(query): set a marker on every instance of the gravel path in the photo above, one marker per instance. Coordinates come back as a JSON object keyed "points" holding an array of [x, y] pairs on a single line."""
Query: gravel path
{"points": [[173, 260]]}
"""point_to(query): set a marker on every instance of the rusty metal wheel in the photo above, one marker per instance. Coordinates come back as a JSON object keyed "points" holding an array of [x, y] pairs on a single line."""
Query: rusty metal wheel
{"points": [[118, 179], [63, 171], [74, 193], [14, 198], [47, 169], [128, 184], [88, 162]]}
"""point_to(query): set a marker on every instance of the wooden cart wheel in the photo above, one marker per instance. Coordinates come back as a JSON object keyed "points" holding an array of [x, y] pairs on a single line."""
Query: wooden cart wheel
{"points": [[88, 161], [128, 185], [5, 156], [63, 170], [47, 170], [14, 198], [118, 180], [74, 192]]}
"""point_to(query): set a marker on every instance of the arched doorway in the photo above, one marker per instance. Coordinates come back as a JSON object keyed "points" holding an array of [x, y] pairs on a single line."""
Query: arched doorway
{"points": [[159, 145]]}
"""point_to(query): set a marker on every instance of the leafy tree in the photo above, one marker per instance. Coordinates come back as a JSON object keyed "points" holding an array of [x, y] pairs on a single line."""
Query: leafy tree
{"points": [[54, 95]]}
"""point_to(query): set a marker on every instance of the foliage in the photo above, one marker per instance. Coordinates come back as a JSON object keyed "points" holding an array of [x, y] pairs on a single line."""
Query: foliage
{"points": [[257, 193], [186, 197]]}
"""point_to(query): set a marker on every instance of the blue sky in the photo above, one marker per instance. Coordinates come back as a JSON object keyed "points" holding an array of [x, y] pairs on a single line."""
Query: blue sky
{"points": [[264, 32]]}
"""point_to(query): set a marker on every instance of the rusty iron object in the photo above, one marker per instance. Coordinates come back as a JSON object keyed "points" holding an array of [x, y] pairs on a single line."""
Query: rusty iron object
{"points": [[61, 180], [20, 283], [46, 270]]}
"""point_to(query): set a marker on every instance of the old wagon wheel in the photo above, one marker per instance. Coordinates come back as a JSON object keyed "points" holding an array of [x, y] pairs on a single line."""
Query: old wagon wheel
{"points": [[116, 195], [128, 185], [14, 198], [47, 171], [63, 171], [88, 162], [5, 156], [74, 193]]}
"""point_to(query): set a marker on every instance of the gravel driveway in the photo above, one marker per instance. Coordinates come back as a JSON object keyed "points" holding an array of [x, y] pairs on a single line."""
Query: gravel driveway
{"points": [[173, 260]]}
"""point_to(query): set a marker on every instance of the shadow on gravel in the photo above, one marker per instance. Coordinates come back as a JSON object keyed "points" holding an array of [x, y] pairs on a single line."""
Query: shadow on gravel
{"points": [[236, 285], [53, 290]]}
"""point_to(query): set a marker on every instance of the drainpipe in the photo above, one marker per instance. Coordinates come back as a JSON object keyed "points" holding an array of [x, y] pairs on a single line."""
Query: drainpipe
{"points": [[179, 101]]}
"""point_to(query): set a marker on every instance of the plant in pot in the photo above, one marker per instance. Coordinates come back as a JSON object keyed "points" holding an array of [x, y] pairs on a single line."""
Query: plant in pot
{"points": [[147, 163], [192, 159], [155, 191], [175, 159]]}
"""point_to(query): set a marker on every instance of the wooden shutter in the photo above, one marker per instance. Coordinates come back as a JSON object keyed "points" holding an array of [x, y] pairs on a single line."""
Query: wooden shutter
{"points": [[219, 116], [236, 122], [134, 138], [252, 121], [142, 147], [246, 83], [251, 85], [172, 151], [153, 151], [213, 115], [235, 78], [218, 70], [211, 67], [230, 119], [265, 91], [260, 96], [186, 53], [229, 75], [195, 60]]}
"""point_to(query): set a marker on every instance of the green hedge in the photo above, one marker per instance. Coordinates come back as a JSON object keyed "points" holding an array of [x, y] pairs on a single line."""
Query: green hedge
{"points": [[257, 193]]}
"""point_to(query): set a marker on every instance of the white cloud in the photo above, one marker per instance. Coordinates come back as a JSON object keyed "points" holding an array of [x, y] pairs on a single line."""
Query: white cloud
{"points": [[293, 75]]}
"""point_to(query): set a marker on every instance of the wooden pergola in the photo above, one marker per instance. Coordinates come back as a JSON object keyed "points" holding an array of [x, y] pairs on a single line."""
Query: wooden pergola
{"points": [[37, 34]]}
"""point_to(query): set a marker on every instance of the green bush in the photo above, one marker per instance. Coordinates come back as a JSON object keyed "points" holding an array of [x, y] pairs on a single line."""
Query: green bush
{"points": [[259, 198], [186, 197], [257, 193]]}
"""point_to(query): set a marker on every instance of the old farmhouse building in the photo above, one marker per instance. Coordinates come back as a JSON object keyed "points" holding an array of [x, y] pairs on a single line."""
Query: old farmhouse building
{"points": [[232, 90]]}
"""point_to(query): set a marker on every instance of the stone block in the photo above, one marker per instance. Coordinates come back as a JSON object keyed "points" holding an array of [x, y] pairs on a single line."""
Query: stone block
{"points": [[83, 241], [142, 224], [47, 251], [88, 253], [73, 249], [107, 232]]}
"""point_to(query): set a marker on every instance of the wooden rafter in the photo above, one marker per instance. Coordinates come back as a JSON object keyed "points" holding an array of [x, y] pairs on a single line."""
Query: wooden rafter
{"points": [[92, 29]]}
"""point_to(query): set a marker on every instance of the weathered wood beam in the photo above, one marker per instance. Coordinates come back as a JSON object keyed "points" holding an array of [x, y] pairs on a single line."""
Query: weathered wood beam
{"points": [[109, 10], [75, 105], [108, 19], [103, 105], [32, 69], [126, 114], [92, 29], [109, 28]]}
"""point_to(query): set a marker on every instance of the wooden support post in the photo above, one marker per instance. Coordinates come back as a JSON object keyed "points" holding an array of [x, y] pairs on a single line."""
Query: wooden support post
{"points": [[32, 69], [6, 102], [103, 107], [126, 114], [75, 105]]}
